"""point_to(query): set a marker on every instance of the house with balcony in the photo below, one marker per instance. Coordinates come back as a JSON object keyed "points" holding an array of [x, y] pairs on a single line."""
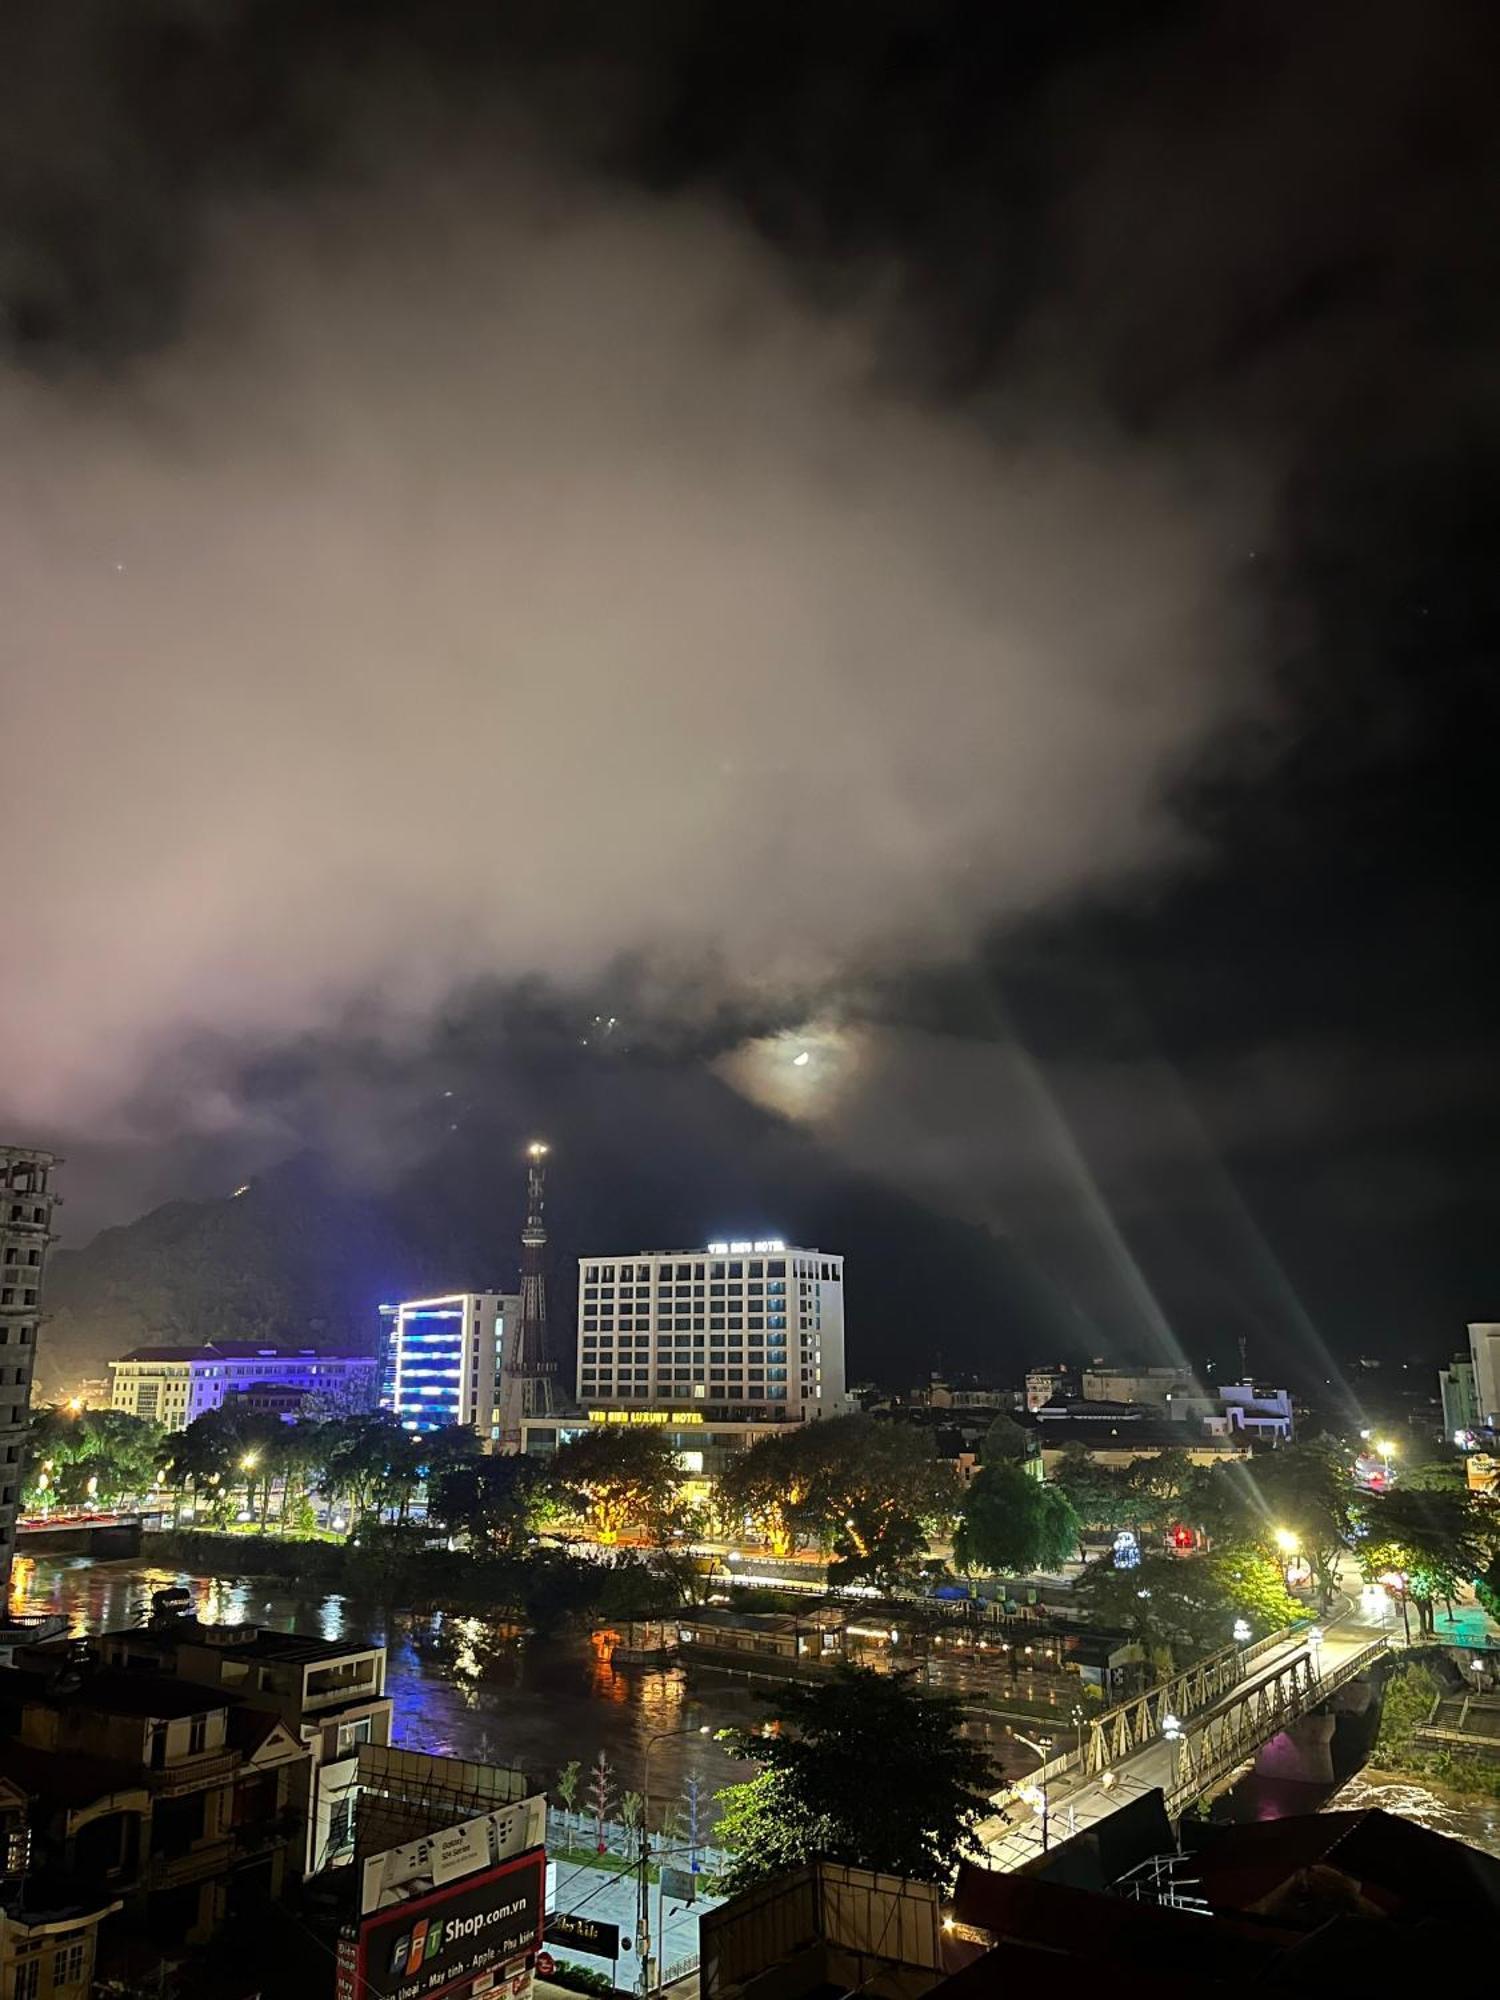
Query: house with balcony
{"points": [[168, 1798], [328, 1693], [49, 1926]]}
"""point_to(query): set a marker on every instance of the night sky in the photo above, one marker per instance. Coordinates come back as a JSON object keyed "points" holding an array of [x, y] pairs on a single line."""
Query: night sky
{"points": [[957, 538]]}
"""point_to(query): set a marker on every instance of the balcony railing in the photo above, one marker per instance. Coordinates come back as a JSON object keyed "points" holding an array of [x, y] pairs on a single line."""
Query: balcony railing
{"points": [[193, 1774], [173, 1871]]}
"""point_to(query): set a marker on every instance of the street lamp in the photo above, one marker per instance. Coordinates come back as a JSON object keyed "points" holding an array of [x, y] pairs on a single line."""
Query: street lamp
{"points": [[1387, 1452], [1286, 1541], [643, 1857], [1034, 1794], [1241, 1632], [249, 1462]]}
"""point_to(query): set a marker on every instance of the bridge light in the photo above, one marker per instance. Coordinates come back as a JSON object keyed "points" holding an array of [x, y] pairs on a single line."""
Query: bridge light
{"points": [[1171, 1727], [1315, 1638], [1241, 1632]]}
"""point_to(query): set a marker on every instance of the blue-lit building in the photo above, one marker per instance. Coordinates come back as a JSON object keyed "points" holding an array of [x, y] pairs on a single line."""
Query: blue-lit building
{"points": [[442, 1359]]}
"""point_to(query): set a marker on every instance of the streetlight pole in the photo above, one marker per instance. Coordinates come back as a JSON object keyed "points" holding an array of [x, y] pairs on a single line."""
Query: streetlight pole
{"points": [[643, 1856], [1042, 1749]]}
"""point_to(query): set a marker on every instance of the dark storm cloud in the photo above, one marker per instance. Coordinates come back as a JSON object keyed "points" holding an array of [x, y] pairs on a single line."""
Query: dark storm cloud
{"points": [[762, 489], [497, 572]]}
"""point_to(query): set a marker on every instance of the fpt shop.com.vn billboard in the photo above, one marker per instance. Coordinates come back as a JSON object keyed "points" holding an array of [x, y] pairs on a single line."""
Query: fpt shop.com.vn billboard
{"points": [[438, 1942]]}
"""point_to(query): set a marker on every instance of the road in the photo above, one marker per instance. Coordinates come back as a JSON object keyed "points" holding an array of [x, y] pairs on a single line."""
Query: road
{"points": [[1075, 1803]]}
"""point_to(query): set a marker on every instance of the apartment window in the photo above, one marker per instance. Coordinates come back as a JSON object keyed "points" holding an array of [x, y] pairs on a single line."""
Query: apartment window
{"points": [[68, 1963], [29, 1979], [341, 1825], [198, 1733], [351, 1733]]}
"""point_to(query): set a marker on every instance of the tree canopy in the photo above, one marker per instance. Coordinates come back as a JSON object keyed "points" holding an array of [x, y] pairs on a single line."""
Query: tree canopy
{"points": [[1438, 1541], [492, 1499], [620, 1479], [870, 1493], [89, 1456], [1185, 1607], [866, 1770], [1013, 1523]]}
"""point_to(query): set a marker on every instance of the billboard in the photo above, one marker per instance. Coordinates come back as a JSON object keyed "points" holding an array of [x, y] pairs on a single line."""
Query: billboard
{"points": [[417, 1950], [407, 1873]]}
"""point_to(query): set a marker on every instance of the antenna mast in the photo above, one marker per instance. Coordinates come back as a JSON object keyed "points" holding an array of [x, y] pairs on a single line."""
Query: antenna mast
{"points": [[528, 1370]]}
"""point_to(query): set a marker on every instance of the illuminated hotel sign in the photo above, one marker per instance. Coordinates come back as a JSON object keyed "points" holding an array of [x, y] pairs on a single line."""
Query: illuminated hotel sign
{"points": [[645, 1416], [743, 1249]]}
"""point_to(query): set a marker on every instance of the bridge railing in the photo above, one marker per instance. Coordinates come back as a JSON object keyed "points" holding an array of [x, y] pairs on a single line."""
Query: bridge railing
{"points": [[1120, 1731], [1226, 1739]]}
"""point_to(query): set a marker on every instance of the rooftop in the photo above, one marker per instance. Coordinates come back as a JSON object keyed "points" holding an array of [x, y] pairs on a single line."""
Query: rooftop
{"points": [[239, 1350], [241, 1642], [110, 1691], [760, 1246]]}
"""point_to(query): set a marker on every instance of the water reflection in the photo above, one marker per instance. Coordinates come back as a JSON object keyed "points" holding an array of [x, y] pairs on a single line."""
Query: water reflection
{"points": [[462, 1687]]}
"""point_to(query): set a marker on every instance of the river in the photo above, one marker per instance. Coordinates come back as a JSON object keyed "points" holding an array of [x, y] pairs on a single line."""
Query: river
{"points": [[463, 1687]]}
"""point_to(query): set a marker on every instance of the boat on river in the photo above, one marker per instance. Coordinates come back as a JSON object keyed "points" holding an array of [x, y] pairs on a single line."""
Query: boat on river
{"points": [[649, 1642]]}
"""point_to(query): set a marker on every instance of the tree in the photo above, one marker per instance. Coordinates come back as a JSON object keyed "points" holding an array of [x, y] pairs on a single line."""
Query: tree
{"points": [[1099, 1495], [567, 1791], [491, 1499], [765, 1489], [875, 1493], [1005, 1442], [1298, 1495], [618, 1478], [1437, 1541], [371, 1462], [1160, 1487], [90, 1457], [865, 1770], [1183, 1608], [1013, 1523]]}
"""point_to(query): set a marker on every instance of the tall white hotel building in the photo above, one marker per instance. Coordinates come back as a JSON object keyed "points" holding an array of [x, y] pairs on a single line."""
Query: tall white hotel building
{"points": [[742, 1332]]}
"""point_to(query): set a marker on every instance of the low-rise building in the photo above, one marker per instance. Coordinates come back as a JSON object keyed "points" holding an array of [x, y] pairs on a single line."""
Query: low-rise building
{"points": [[169, 1798], [1048, 1385], [1460, 1400], [329, 1694], [1103, 1383], [173, 1386], [1117, 1434]]}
